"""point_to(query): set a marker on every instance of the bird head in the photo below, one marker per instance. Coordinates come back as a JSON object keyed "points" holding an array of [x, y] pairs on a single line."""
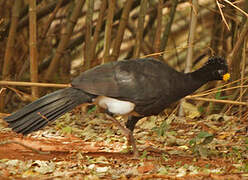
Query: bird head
{"points": [[218, 68]]}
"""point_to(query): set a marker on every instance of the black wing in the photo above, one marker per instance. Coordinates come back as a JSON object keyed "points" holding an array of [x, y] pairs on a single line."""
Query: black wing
{"points": [[137, 81]]}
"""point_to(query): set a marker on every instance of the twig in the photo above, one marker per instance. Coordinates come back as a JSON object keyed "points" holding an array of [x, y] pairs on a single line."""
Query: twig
{"points": [[50, 19], [230, 107], [64, 39], [42, 11], [156, 54], [167, 30], [23, 96], [26, 146], [15, 83], [217, 100], [219, 90], [222, 15], [228, 2], [2, 90], [234, 53], [225, 85]]}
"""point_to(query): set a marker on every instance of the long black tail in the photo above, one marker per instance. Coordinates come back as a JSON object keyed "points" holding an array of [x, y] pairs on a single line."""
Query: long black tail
{"points": [[38, 114]]}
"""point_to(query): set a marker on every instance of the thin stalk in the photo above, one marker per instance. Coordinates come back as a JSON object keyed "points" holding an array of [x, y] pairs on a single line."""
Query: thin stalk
{"points": [[64, 39], [157, 38], [121, 30], [31, 84], [191, 38], [33, 55], [10, 45], [140, 29], [242, 74], [108, 31], [98, 28], [88, 34], [169, 24], [51, 18]]}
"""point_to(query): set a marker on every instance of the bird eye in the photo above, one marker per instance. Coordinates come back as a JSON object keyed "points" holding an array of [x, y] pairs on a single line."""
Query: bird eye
{"points": [[221, 71]]}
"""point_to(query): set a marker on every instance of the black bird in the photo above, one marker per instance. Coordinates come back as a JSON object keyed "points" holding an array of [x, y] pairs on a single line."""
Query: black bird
{"points": [[137, 88]]}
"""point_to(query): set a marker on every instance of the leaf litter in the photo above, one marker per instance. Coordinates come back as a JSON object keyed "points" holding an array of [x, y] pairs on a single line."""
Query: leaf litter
{"points": [[92, 147]]}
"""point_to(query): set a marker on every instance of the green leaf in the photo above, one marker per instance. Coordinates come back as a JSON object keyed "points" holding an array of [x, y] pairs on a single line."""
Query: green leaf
{"points": [[90, 110], [144, 155], [161, 129], [245, 167], [204, 134], [67, 130], [192, 142], [246, 140]]}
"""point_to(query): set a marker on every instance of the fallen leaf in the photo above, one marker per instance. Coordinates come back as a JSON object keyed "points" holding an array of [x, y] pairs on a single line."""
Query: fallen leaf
{"points": [[146, 167]]}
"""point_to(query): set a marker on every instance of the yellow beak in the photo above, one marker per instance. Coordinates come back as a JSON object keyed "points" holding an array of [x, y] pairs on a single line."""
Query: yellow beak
{"points": [[226, 76]]}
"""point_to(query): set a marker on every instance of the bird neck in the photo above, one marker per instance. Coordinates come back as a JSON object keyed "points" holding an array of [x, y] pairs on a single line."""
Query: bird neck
{"points": [[201, 75], [196, 79], [187, 84]]}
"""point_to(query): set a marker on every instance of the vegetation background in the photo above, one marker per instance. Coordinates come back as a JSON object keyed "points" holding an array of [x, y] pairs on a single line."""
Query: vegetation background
{"points": [[48, 42]]}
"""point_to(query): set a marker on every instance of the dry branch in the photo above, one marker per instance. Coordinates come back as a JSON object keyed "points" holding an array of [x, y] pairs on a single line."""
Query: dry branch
{"points": [[98, 28], [140, 29], [168, 25], [242, 74], [33, 55], [238, 44], [51, 18], [157, 38], [218, 100], [243, 12], [64, 39], [11, 39], [88, 34], [191, 39], [108, 31], [24, 145], [222, 15], [121, 30], [40, 14], [15, 83], [10, 45]]}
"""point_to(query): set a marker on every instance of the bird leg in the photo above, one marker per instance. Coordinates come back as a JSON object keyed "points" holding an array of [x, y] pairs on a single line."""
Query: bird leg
{"points": [[128, 133]]}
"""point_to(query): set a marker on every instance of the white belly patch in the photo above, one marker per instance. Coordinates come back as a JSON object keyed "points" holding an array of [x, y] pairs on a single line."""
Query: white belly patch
{"points": [[115, 106]]}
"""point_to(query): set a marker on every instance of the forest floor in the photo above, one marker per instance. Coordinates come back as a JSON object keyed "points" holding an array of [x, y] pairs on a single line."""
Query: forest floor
{"points": [[91, 147]]}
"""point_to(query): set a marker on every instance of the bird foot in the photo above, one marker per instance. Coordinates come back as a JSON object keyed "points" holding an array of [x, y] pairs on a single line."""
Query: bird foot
{"points": [[128, 133]]}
